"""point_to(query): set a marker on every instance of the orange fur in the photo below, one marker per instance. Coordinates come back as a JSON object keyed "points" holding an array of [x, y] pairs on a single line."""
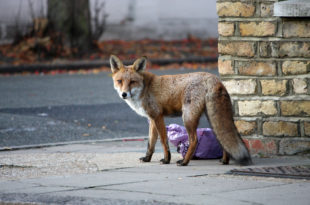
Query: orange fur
{"points": [[189, 95]]}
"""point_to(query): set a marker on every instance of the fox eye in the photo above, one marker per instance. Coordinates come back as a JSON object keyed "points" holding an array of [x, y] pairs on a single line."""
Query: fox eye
{"points": [[119, 81], [132, 82]]}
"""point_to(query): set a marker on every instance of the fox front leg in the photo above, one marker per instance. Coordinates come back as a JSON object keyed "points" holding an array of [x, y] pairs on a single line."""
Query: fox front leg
{"points": [[161, 129], [153, 135]]}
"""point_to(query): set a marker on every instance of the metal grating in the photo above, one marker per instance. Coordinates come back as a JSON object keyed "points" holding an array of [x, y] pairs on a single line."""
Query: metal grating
{"points": [[295, 172]]}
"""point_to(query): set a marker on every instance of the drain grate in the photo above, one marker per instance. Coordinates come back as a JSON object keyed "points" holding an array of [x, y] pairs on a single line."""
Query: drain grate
{"points": [[295, 172]]}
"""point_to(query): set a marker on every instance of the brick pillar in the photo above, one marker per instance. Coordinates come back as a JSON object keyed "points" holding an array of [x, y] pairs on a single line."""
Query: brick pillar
{"points": [[264, 62]]}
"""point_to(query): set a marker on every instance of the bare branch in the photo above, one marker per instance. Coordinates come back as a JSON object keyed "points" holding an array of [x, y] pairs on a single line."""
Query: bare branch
{"points": [[99, 21], [31, 8], [17, 30]]}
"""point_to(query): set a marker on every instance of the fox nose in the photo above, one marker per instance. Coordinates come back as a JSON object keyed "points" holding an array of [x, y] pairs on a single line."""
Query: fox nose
{"points": [[124, 95]]}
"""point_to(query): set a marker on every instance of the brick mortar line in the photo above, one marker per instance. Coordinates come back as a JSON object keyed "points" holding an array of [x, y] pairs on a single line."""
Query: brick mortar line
{"points": [[279, 28], [290, 87], [281, 118], [247, 1], [259, 86], [265, 59], [254, 136], [297, 98], [248, 19], [275, 77], [279, 68], [301, 129], [308, 85], [278, 108], [261, 38], [263, 118]]}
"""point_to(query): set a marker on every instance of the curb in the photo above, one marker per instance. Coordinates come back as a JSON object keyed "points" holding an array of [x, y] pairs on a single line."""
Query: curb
{"points": [[90, 64], [38, 146]]}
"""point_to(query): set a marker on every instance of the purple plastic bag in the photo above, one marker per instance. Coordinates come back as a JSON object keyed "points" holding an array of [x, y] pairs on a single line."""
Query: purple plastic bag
{"points": [[207, 148]]}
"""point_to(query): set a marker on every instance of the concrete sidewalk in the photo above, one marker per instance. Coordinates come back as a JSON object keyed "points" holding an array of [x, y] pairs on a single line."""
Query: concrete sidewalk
{"points": [[110, 173]]}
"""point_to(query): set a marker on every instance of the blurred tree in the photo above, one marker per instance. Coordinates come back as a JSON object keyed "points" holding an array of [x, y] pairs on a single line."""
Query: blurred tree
{"points": [[71, 19]]}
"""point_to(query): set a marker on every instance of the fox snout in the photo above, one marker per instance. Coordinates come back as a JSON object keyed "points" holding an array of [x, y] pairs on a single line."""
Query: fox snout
{"points": [[133, 93], [124, 95]]}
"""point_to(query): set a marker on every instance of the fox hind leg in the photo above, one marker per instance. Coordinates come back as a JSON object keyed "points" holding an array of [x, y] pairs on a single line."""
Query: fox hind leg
{"points": [[226, 157], [192, 147], [191, 121]]}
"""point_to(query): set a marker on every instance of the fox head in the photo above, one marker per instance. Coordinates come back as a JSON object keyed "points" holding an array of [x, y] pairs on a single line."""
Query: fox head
{"points": [[128, 80]]}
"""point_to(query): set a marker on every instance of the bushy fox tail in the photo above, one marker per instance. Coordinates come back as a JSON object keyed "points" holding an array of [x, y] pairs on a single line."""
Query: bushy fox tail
{"points": [[220, 115]]}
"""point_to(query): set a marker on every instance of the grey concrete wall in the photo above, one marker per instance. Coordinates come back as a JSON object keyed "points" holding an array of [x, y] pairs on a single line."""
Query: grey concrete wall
{"points": [[167, 19], [127, 19], [17, 15]]}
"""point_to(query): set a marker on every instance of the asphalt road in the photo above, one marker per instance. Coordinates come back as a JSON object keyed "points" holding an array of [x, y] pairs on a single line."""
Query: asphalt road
{"points": [[61, 108]]}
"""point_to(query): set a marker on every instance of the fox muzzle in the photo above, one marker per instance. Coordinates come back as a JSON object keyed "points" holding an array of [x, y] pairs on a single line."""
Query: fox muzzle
{"points": [[124, 95]]}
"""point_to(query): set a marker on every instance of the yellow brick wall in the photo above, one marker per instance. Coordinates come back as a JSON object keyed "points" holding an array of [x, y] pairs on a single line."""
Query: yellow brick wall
{"points": [[264, 61]]}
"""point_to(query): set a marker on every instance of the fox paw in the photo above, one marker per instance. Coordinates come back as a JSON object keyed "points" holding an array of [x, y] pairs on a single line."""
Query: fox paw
{"points": [[224, 162], [145, 159], [181, 163], [164, 161]]}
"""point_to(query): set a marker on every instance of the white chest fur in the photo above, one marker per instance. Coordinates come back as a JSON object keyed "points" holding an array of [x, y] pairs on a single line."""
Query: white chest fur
{"points": [[136, 105]]}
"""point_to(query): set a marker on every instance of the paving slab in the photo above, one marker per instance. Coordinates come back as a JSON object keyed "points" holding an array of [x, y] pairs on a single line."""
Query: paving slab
{"points": [[110, 173]]}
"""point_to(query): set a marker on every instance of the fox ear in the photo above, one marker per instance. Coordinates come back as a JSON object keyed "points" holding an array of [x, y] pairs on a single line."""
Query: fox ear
{"points": [[140, 64], [115, 63]]}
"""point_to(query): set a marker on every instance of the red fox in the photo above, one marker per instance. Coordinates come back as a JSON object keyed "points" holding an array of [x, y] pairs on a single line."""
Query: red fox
{"points": [[187, 95]]}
